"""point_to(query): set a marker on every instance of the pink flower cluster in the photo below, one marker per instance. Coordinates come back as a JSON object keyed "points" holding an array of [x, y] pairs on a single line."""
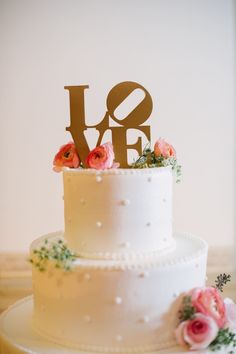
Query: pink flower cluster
{"points": [[211, 314], [164, 149], [67, 156], [100, 158]]}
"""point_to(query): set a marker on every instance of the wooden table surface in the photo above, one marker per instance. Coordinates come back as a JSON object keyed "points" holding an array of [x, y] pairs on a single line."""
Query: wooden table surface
{"points": [[15, 275]]}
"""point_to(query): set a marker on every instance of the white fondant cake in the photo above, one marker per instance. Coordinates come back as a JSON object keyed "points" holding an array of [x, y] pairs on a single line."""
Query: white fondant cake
{"points": [[118, 213], [117, 280], [121, 292], [18, 337], [117, 305]]}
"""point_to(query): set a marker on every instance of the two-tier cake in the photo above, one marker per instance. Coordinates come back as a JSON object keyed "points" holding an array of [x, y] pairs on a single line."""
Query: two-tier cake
{"points": [[117, 279], [122, 292]]}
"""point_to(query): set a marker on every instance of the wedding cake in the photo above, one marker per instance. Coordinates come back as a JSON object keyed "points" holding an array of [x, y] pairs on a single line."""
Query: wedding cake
{"points": [[117, 279], [122, 292]]}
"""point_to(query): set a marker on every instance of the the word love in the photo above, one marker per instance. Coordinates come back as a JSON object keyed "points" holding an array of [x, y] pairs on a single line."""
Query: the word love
{"points": [[133, 120]]}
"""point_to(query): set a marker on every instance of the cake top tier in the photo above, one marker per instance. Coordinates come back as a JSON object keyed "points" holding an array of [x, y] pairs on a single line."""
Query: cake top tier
{"points": [[114, 208], [118, 213], [116, 171]]}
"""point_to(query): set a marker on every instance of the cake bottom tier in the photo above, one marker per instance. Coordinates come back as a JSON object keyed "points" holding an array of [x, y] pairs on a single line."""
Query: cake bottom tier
{"points": [[18, 337], [117, 306]]}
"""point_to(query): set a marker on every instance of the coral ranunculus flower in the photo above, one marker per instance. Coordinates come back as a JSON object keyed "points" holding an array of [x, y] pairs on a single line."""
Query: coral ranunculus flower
{"points": [[209, 302], [67, 156], [102, 157], [197, 333], [162, 148]]}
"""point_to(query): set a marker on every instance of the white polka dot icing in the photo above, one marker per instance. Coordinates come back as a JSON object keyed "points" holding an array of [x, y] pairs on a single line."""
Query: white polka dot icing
{"points": [[87, 276], [99, 224], [144, 274], [125, 244], [175, 295], [119, 338], [125, 202], [145, 319], [118, 300], [98, 179]]}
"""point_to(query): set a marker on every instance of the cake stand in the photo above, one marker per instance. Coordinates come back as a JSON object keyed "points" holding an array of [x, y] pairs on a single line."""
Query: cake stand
{"points": [[17, 335]]}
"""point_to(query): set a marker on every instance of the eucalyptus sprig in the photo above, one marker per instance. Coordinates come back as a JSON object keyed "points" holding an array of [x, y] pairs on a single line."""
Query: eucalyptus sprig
{"points": [[221, 281], [225, 337], [57, 251], [188, 310], [148, 159]]}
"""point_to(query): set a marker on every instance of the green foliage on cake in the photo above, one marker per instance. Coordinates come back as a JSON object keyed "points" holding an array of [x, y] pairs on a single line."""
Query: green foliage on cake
{"points": [[57, 252]]}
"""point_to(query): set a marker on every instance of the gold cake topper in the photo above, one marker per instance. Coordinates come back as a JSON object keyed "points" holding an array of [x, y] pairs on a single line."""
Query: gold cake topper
{"points": [[133, 120]]}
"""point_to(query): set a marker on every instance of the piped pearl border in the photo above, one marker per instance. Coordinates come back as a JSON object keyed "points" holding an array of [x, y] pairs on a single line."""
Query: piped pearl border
{"points": [[149, 262], [117, 171], [128, 255]]}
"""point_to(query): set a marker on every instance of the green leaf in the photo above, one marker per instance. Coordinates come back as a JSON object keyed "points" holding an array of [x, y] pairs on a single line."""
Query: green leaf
{"points": [[222, 280], [187, 312], [149, 160], [224, 338], [57, 252]]}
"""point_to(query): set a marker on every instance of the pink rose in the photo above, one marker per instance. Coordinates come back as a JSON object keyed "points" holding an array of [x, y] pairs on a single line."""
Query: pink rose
{"points": [[102, 157], [197, 333], [209, 302], [66, 156], [230, 307], [162, 148]]}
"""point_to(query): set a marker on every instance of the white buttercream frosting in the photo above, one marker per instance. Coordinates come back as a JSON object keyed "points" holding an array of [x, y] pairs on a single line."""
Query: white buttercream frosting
{"points": [[17, 335], [124, 288], [126, 207], [131, 298]]}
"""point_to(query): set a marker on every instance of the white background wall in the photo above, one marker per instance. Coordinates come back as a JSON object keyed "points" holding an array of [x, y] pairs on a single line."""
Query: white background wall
{"points": [[180, 50]]}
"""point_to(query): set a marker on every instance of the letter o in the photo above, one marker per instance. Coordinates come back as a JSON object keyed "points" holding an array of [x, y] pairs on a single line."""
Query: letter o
{"points": [[139, 114]]}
